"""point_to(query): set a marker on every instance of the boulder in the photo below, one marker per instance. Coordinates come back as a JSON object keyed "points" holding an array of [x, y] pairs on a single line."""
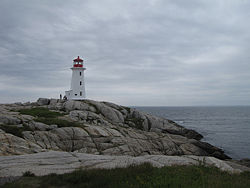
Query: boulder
{"points": [[9, 119], [26, 103], [43, 101], [71, 105], [40, 126], [111, 114], [64, 139], [13, 145], [54, 102], [148, 122], [88, 116]]}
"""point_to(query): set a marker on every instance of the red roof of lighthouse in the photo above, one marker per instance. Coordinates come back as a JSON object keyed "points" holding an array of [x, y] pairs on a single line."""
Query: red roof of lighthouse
{"points": [[78, 59]]}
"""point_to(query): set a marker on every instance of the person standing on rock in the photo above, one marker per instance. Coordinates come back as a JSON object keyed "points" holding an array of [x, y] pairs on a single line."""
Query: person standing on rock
{"points": [[60, 96], [64, 98]]}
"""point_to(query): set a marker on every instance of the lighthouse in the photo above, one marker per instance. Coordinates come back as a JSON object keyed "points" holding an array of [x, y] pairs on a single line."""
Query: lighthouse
{"points": [[77, 88]]}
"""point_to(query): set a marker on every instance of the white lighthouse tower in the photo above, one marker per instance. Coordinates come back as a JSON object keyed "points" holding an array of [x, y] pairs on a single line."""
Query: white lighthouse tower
{"points": [[77, 88]]}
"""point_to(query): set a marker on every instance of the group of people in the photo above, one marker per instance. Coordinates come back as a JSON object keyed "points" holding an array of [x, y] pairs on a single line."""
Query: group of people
{"points": [[64, 98]]}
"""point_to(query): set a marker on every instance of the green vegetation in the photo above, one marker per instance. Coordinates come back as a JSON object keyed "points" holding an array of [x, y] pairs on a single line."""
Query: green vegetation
{"points": [[17, 131], [41, 112], [140, 176], [28, 174], [48, 117], [59, 122], [43, 115]]}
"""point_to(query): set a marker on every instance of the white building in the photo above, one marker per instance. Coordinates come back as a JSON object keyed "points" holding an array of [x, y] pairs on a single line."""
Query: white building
{"points": [[77, 88]]}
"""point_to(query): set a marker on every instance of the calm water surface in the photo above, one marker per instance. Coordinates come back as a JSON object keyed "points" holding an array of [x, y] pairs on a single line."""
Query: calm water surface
{"points": [[225, 127]]}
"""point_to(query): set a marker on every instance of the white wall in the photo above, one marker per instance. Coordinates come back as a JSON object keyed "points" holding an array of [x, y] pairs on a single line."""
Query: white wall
{"points": [[76, 88]]}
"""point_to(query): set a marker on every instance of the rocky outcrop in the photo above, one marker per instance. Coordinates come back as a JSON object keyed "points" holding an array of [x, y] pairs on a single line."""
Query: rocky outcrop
{"points": [[10, 144], [43, 101], [123, 116], [117, 141], [40, 126], [244, 162], [9, 119], [102, 128], [62, 162], [97, 135]]}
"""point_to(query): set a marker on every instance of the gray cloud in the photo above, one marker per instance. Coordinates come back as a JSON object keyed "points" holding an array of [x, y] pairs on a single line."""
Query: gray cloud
{"points": [[154, 52]]}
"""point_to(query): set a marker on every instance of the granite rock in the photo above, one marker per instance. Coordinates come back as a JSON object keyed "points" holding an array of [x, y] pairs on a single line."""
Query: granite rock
{"points": [[103, 128], [45, 163], [43, 101]]}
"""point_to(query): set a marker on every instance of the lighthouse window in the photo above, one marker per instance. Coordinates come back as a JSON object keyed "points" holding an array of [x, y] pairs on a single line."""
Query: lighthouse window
{"points": [[75, 94], [80, 73], [80, 83], [80, 93]]}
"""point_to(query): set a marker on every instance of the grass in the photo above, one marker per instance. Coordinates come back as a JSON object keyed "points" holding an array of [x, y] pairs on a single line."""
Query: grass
{"points": [[28, 174], [43, 115], [41, 112], [36, 112], [59, 122], [17, 131], [140, 176], [48, 117]]}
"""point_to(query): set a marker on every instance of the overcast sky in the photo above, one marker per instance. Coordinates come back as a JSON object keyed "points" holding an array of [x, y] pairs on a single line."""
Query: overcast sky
{"points": [[137, 52]]}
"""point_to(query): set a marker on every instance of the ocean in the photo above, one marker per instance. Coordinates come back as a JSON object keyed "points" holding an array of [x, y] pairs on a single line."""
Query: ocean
{"points": [[225, 127]]}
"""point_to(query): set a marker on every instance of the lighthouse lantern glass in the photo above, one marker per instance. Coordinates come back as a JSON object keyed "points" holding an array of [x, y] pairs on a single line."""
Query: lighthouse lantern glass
{"points": [[78, 64]]}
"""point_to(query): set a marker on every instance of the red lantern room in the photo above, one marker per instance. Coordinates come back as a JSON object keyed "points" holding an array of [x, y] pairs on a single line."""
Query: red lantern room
{"points": [[78, 62]]}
